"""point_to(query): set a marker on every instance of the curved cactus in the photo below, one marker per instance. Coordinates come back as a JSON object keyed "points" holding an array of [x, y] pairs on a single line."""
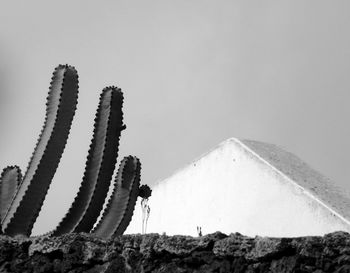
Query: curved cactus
{"points": [[10, 179], [99, 166], [120, 207], [29, 197], [21, 200]]}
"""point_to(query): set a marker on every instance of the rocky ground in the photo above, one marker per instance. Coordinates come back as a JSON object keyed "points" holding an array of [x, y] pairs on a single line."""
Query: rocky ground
{"points": [[160, 253]]}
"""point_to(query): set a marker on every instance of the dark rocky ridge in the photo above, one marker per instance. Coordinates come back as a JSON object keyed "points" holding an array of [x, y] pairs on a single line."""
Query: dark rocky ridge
{"points": [[160, 253]]}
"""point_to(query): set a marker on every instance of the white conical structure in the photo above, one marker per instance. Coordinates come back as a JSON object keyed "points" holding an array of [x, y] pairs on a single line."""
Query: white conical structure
{"points": [[248, 187]]}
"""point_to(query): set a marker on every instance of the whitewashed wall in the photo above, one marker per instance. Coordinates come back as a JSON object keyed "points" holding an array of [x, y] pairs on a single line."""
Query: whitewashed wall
{"points": [[231, 189]]}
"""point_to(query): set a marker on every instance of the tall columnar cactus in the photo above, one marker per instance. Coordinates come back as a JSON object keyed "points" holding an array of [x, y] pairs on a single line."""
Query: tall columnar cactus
{"points": [[120, 207], [30, 194], [10, 179], [100, 165], [21, 200]]}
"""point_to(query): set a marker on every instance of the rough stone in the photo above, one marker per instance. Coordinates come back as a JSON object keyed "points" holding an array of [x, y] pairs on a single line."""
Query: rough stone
{"points": [[215, 252]]}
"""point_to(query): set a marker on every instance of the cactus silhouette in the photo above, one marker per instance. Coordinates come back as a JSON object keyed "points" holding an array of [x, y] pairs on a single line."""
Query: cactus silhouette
{"points": [[21, 199], [120, 207], [10, 179], [29, 196], [100, 165]]}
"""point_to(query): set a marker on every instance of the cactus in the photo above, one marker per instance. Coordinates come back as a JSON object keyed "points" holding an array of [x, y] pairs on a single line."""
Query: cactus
{"points": [[21, 200], [120, 207], [29, 197], [10, 179], [100, 165]]}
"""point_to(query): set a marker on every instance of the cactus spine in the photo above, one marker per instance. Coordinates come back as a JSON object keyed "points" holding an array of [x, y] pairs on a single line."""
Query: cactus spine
{"points": [[100, 165], [120, 207], [29, 197]]}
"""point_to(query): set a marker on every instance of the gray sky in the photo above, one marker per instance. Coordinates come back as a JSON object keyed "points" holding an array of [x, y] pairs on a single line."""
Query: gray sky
{"points": [[193, 72]]}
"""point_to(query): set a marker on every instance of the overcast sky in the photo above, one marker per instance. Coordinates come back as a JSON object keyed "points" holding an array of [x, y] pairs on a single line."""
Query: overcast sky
{"points": [[194, 73]]}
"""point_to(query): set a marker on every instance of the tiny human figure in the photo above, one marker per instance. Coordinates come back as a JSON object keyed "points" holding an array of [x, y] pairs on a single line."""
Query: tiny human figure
{"points": [[199, 231]]}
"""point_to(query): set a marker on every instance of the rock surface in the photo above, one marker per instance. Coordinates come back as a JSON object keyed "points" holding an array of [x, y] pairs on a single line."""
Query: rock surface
{"points": [[215, 252]]}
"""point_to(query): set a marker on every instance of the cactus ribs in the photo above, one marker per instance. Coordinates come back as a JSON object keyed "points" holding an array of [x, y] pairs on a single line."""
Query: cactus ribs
{"points": [[22, 198]]}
